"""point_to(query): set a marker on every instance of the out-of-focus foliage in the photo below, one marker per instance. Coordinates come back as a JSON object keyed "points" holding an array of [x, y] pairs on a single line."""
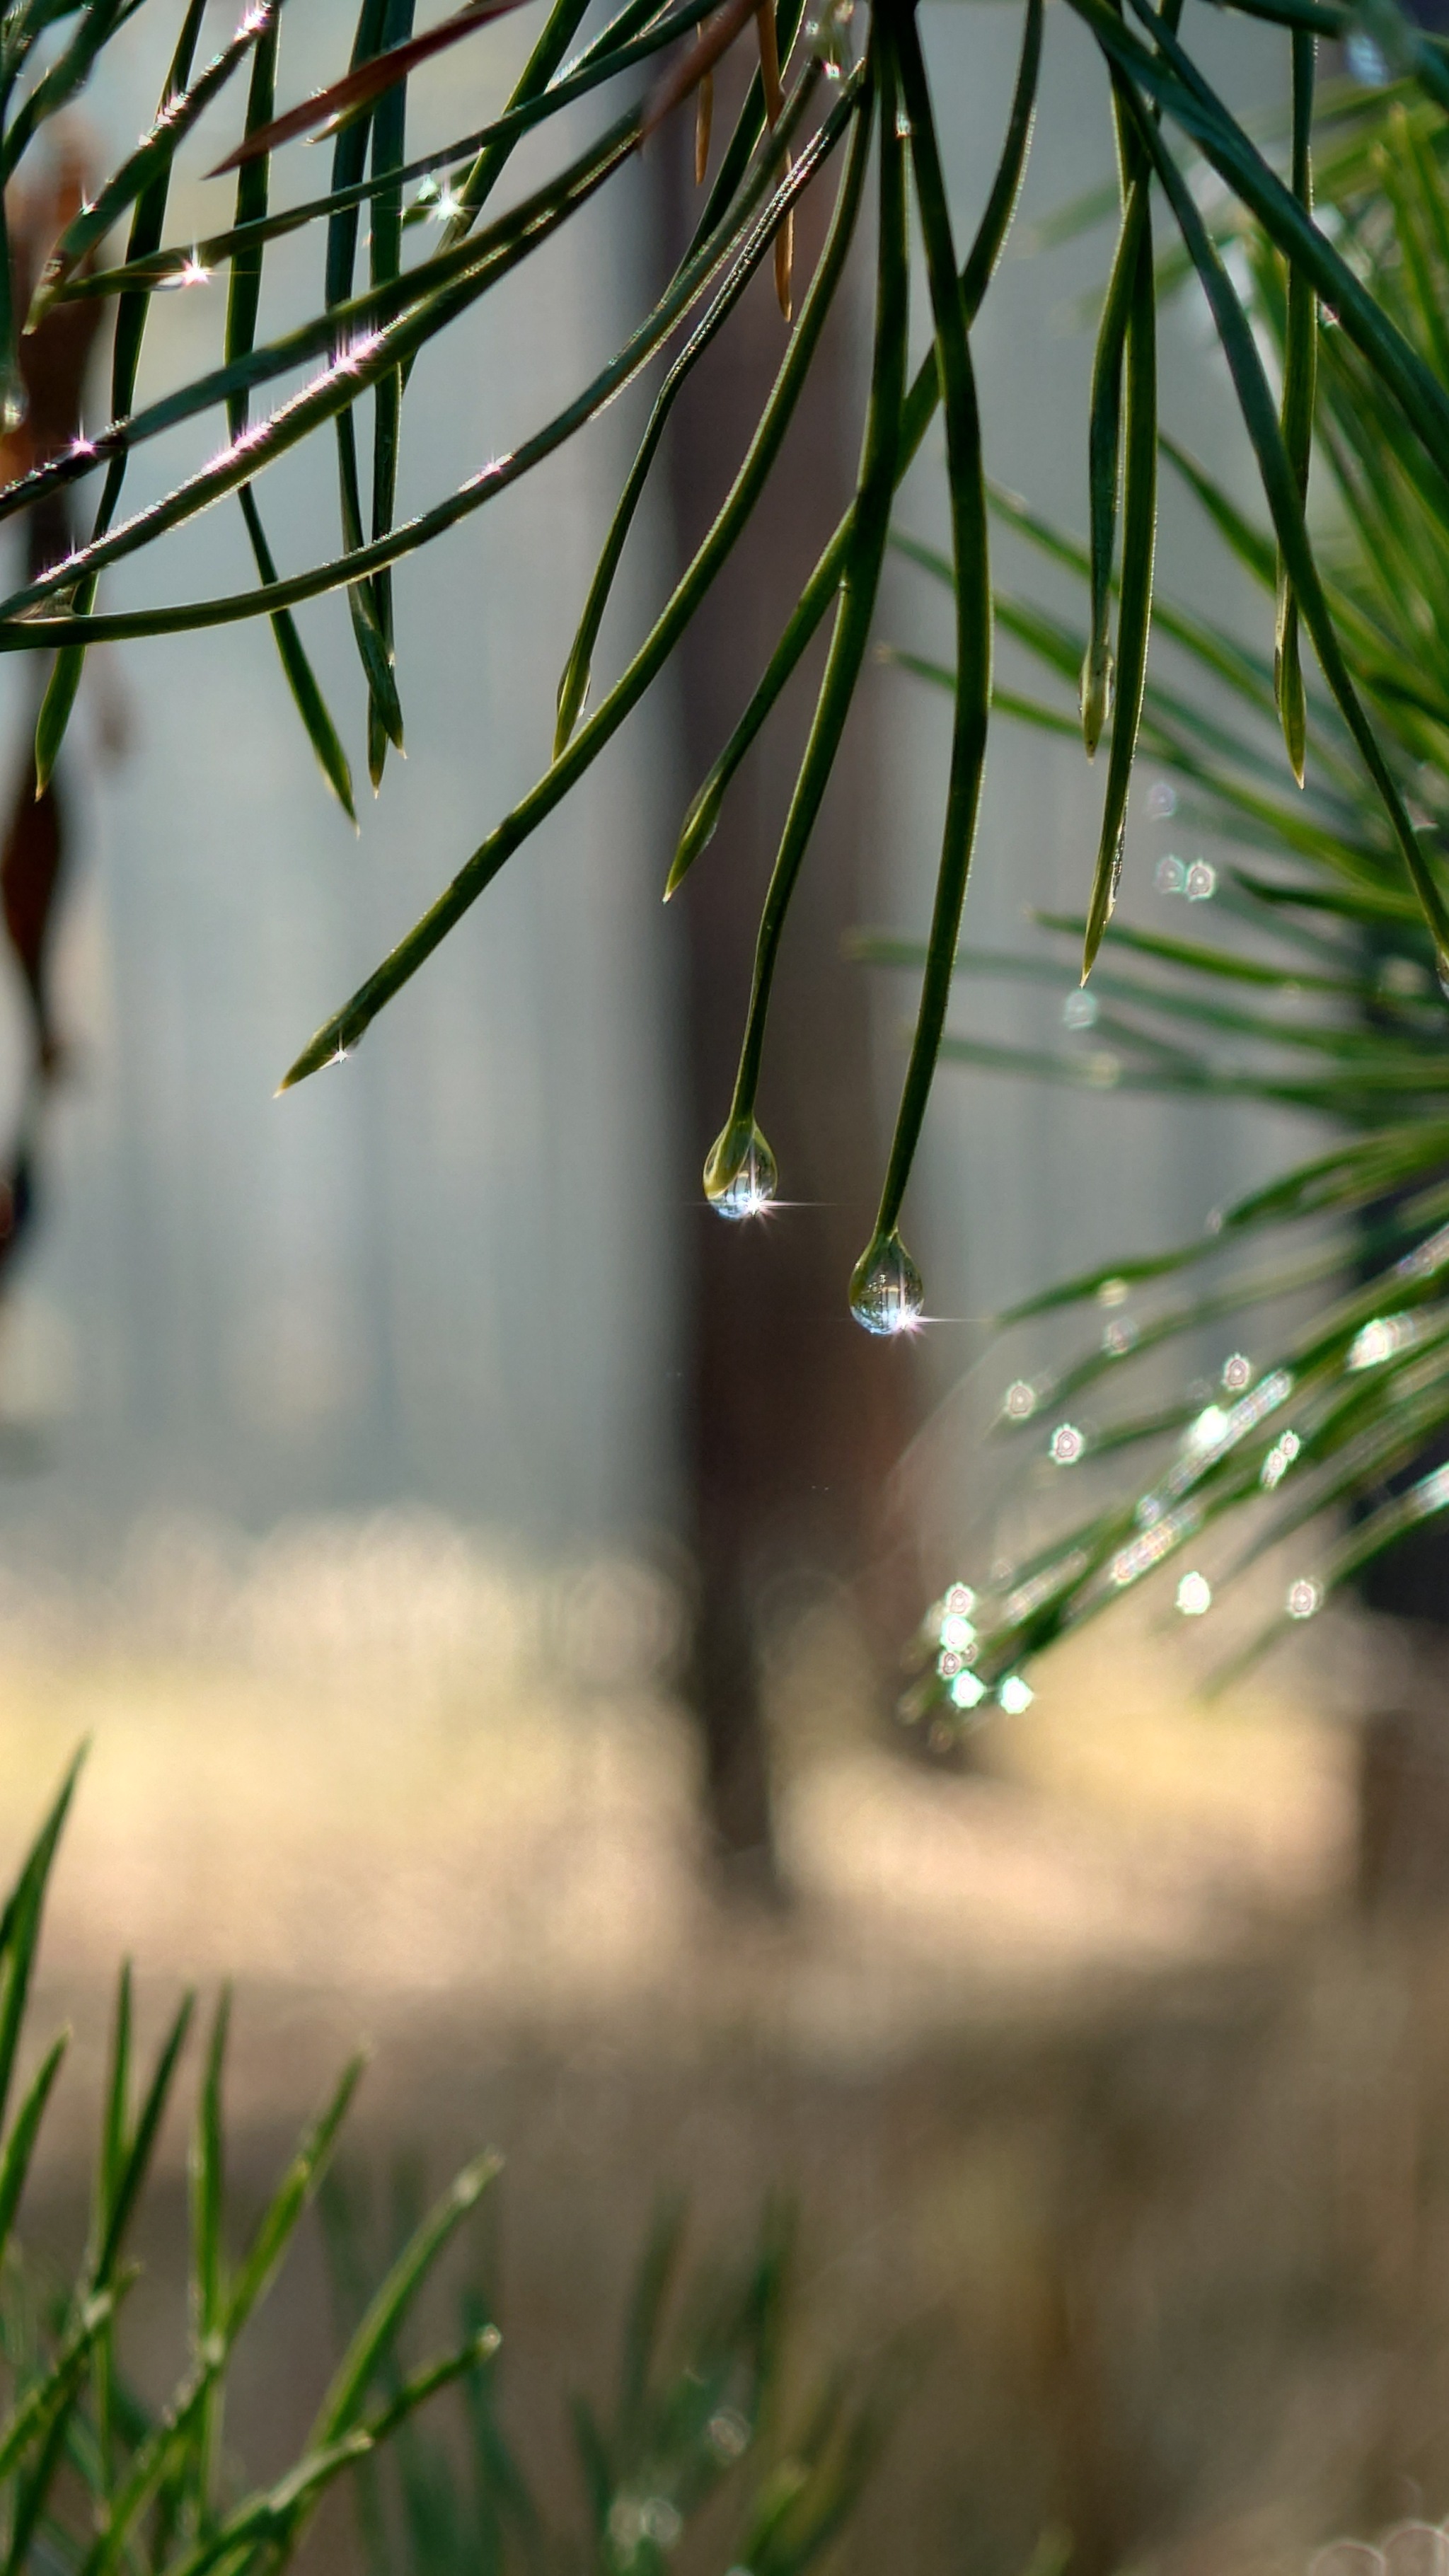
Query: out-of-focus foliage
{"points": [[93, 2478], [1321, 993], [700, 2427]]}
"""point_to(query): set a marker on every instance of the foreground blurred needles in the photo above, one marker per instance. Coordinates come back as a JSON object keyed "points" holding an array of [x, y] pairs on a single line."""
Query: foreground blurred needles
{"points": [[93, 2477]]}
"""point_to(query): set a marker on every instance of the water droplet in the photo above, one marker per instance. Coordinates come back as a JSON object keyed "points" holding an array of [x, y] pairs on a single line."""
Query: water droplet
{"points": [[957, 1633], [1381, 1340], [661, 2522], [903, 126], [1066, 1444], [1079, 1010], [1378, 43], [1113, 1292], [1304, 1597], [740, 1179], [1119, 1338], [1019, 1401], [949, 1662], [1096, 690], [1169, 876], [1194, 1596], [1278, 1461], [968, 1691], [14, 398], [1329, 316], [1014, 1695], [1114, 882], [1202, 881], [1237, 1373], [960, 1601], [728, 2434], [1161, 800], [1214, 1223], [1365, 59], [886, 1294]]}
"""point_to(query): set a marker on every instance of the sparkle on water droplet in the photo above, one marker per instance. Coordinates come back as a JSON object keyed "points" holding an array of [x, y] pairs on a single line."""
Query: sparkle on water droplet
{"points": [[968, 1690], [1202, 882], [1079, 1010], [740, 1179], [1169, 876], [1161, 800], [886, 1295], [1014, 1695], [1237, 1373], [1066, 1444], [1019, 1401], [1304, 1597], [1194, 1596]]}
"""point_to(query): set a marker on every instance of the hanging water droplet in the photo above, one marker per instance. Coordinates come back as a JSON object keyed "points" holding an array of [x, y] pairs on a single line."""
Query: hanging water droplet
{"points": [[886, 1294], [1019, 1401], [740, 1178], [1113, 1292], [903, 126], [1194, 1596], [1119, 1338], [1304, 1598], [1202, 882], [1014, 1695], [967, 1691], [1169, 876], [1161, 800], [960, 1601], [1237, 1373], [1066, 1444], [1079, 1010]]}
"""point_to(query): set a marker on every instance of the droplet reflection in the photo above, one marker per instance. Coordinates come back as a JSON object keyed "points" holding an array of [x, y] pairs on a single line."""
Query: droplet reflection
{"points": [[886, 1293]]}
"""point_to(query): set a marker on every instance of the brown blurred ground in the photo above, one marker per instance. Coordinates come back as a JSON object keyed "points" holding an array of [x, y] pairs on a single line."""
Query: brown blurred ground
{"points": [[1080, 2064]]}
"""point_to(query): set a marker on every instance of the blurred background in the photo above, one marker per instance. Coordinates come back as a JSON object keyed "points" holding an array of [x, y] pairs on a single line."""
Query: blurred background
{"points": [[483, 1576]]}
